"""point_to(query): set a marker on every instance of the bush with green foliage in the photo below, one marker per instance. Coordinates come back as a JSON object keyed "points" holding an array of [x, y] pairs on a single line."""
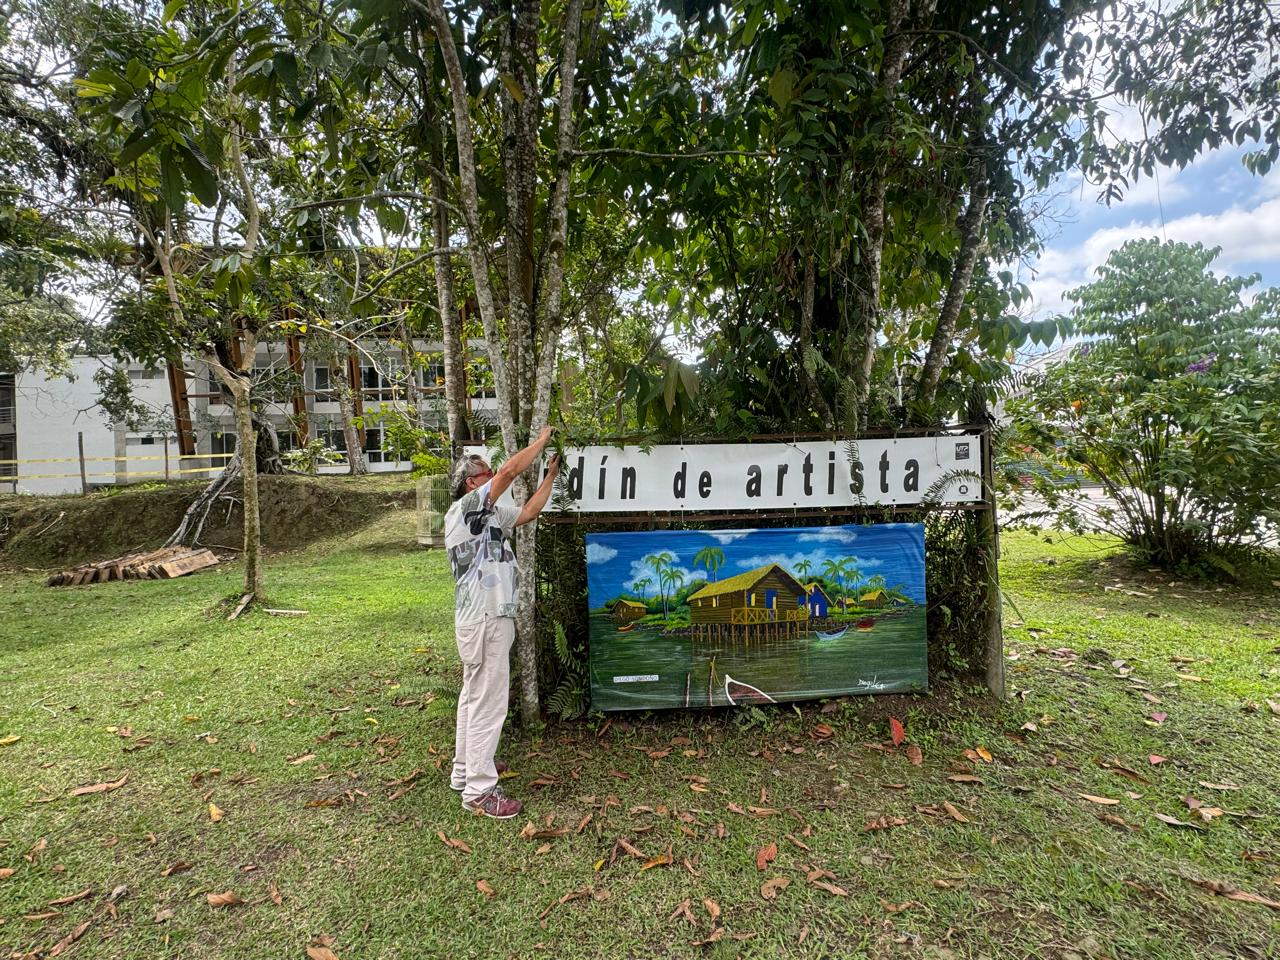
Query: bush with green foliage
{"points": [[1172, 404]]}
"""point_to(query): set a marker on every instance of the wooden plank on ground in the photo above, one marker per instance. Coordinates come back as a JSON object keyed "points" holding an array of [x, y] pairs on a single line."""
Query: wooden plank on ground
{"points": [[180, 566]]}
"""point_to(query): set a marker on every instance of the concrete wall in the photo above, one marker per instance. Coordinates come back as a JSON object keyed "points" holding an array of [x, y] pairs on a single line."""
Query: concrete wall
{"points": [[47, 416]]}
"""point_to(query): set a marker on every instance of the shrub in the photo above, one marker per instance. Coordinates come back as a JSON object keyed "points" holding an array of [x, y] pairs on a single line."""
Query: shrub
{"points": [[1172, 405]]}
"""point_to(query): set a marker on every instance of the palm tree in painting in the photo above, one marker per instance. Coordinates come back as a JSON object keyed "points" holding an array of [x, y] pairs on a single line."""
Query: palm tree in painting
{"points": [[803, 567], [712, 558], [852, 572], [672, 580], [643, 585], [875, 582], [835, 570], [658, 562]]}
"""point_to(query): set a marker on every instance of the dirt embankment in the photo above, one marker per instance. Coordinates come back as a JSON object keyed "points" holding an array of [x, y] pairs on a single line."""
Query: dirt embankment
{"points": [[58, 531]]}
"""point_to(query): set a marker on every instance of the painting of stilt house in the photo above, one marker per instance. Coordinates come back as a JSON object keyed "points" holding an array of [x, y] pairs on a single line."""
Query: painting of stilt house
{"points": [[764, 602], [624, 611]]}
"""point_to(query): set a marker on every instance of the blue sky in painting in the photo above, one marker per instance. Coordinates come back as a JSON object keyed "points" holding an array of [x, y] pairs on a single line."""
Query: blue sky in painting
{"points": [[895, 551]]}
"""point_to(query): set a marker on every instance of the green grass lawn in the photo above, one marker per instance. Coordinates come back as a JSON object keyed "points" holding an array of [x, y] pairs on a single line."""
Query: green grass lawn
{"points": [[305, 732]]}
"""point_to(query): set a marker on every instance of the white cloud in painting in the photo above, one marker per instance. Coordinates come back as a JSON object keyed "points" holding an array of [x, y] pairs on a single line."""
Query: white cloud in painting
{"points": [[789, 562], [723, 537], [828, 535], [599, 553]]}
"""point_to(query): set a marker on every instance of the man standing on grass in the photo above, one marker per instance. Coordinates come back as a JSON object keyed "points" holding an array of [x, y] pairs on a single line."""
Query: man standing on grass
{"points": [[477, 534]]}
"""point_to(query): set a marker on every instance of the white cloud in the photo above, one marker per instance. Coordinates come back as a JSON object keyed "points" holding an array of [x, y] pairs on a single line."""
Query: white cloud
{"points": [[829, 535], [599, 553], [727, 536], [816, 560], [1247, 235]]}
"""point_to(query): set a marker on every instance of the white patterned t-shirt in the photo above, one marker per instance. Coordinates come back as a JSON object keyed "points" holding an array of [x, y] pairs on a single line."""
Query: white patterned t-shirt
{"points": [[477, 534]]}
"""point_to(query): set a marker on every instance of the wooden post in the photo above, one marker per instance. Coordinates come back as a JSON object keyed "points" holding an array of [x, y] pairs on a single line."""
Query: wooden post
{"points": [[166, 456], [294, 347], [84, 477], [177, 375]]}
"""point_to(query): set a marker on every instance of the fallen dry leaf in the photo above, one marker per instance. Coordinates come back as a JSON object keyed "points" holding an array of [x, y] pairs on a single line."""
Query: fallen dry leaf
{"points": [[713, 908], [1155, 759], [1175, 822], [714, 937], [9, 740], [100, 787], [765, 856], [915, 754], [771, 888], [302, 759], [823, 732], [63, 901], [484, 887], [954, 812], [163, 916], [1233, 893], [829, 887], [70, 938], [6, 873], [455, 844], [897, 731], [215, 813], [274, 893], [964, 778], [228, 899], [1104, 801], [176, 867], [321, 953], [684, 909], [662, 860], [896, 907]]}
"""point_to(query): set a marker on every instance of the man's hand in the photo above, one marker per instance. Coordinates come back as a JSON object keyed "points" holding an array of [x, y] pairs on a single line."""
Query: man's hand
{"points": [[553, 466], [518, 463]]}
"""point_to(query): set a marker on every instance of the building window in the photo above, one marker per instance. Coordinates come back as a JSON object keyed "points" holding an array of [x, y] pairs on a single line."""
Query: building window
{"points": [[373, 452], [222, 442], [322, 383]]}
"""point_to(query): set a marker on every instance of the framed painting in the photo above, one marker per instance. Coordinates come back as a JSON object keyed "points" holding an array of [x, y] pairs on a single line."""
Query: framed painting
{"points": [[698, 618]]}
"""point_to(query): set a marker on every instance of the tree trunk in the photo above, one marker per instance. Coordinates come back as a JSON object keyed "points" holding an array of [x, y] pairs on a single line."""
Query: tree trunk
{"points": [[455, 362], [247, 440], [804, 344], [971, 234], [267, 452], [407, 359], [897, 45], [346, 410]]}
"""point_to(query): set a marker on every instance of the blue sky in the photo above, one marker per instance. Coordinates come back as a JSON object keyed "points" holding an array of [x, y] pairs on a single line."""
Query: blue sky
{"points": [[1214, 200], [895, 551]]}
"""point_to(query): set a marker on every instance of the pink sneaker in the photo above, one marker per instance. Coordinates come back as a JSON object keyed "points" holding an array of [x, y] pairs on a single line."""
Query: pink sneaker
{"points": [[496, 805], [500, 765]]}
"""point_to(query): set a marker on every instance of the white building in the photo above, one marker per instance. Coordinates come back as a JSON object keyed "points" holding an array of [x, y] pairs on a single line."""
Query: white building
{"points": [[44, 422]]}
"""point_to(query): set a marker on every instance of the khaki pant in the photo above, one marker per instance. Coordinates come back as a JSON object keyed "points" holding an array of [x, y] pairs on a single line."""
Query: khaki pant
{"points": [[485, 649]]}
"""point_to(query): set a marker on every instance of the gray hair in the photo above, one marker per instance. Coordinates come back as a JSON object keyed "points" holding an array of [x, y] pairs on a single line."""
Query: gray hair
{"points": [[464, 468]]}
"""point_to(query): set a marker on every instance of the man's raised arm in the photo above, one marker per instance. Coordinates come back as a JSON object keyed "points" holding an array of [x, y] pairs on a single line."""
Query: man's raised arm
{"points": [[516, 464]]}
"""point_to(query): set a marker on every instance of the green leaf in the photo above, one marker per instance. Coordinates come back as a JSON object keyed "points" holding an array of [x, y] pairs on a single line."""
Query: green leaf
{"points": [[513, 88], [172, 188], [204, 184], [139, 142], [781, 86], [171, 10]]}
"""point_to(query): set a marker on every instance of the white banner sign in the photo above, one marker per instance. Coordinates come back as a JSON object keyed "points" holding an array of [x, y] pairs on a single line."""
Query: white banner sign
{"points": [[774, 476]]}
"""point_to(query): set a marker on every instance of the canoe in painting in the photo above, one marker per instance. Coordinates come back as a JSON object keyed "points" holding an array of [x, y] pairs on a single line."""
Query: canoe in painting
{"points": [[737, 692]]}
